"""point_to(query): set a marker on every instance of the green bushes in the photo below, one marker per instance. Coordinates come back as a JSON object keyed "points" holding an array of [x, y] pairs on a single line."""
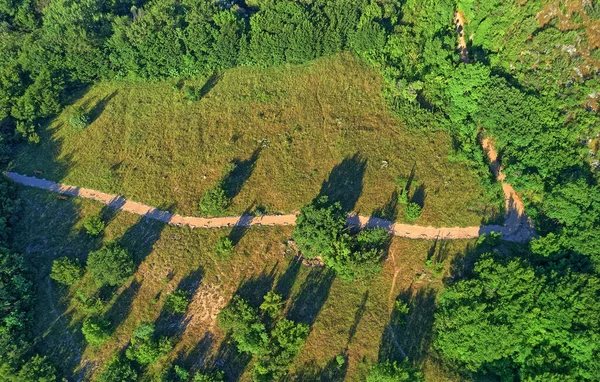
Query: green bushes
{"points": [[394, 372], [79, 119], [215, 200], [95, 330], [120, 369], [224, 246], [93, 225], [412, 211], [144, 348], [275, 345], [36, 369], [177, 302], [321, 230], [66, 271], [110, 265]]}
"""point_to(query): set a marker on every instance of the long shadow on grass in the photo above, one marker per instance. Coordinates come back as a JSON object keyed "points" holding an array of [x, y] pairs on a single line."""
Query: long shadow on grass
{"points": [[120, 309], [307, 304], [174, 324], [229, 360], [286, 281], [240, 173], [410, 333], [139, 239], [197, 359], [358, 316], [254, 288], [331, 372], [389, 211], [345, 182], [99, 106]]}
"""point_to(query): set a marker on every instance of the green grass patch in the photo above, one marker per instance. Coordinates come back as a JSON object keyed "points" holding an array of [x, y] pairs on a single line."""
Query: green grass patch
{"points": [[348, 320], [281, 135]]}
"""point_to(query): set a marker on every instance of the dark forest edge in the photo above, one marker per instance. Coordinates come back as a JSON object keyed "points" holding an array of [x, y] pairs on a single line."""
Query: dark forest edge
{"points": [[538, 118]]}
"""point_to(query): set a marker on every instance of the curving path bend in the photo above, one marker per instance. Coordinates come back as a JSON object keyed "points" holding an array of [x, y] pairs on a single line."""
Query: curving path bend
{"points": [[518, 232]]}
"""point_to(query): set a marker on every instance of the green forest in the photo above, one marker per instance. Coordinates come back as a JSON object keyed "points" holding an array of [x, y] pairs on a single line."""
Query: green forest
{"points": [[527, 78]]}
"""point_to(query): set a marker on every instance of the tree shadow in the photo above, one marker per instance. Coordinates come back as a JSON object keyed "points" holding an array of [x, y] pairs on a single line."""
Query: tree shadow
{"points": [[286, 281], [240, 173], [254, 288], [410, 335], [139, 239], [345, 182], [358, 316], [238, 231], [98, 108], [229, 360], [210, 83], [307, 304], [389, 211], [174, 324], [439, 251], [196, 359], [419, 195], [120, 309], [331, 372]]}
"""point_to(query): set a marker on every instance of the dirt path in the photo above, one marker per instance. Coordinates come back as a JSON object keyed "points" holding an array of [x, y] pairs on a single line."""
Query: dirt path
{"points": [[397, 229], [459, 20]]}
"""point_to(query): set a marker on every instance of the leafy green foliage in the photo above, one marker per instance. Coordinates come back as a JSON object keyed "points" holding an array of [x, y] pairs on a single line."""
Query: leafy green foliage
{"points": [[215, 200], [243, 322], [111, 265], [285, 342], [93, 225], [217, 376], [272, 305], [224, 246], [95, 330], [36, 369], [512, 319], [88, 304], [144, 348], [412, 211], [318, 227], [66, 271], [177, 302], [394, 372], [118, 368], [79, 119]]}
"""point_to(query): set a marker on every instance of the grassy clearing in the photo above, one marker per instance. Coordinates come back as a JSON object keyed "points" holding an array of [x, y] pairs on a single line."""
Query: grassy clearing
{"points": [[347, 318], [292, 131]]}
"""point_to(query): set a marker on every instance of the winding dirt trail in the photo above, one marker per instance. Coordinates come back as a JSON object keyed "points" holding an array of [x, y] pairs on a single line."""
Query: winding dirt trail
{"points": [[397, 229]]}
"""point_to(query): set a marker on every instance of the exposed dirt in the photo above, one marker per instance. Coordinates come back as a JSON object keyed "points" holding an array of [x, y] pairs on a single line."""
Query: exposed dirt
{"points": [[459, 20], [512, 231]]}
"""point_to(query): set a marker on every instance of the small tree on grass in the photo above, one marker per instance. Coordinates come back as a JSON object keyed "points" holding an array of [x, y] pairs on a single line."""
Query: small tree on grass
{"points": [[243, 321], [394, 372], [146, 350], [215, 376], [402, 183], [318, 226], [177, 302], [272, 305], [412, 211], [119, 369], [93, 225], [66, 271], [79, 119], [215, 200], [111, 265], [95, 330], [224, 246]]}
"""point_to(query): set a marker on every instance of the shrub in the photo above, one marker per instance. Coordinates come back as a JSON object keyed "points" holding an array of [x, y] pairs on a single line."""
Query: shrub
{"points": [[118, 369], [90, 305], [272, 304], [95, 330], [394, 372], [242, 320], [144, 349], [66, 271], [318, 227], [94, 226], [224, 246], [412, 211], [215, 201], [79, 119], [110, 265], [181, 373], [177, 302], [215, 376]]}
